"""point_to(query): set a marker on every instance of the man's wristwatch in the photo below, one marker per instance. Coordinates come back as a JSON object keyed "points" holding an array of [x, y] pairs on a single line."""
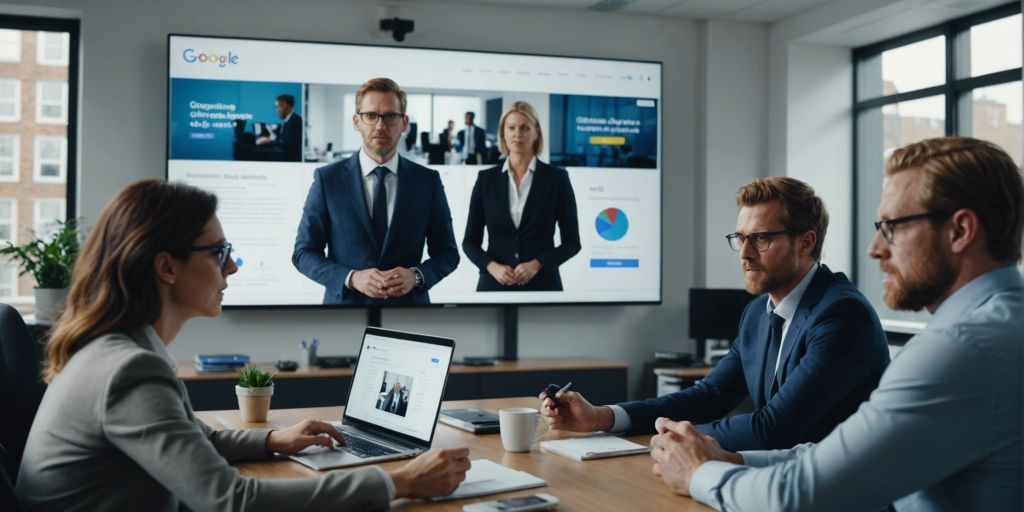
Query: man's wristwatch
{"points": [[419, 278]]}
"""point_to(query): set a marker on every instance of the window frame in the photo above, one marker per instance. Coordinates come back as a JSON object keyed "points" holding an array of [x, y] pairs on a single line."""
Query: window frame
{"points": [[952, 90], [73, 28], [63, 119], [41, 50], [37, 208], [13, 221], [37, 161], [16, 117], [15, 159], [17, 58]]}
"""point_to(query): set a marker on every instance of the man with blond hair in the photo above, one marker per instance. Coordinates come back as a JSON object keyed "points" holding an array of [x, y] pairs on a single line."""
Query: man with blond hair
{"points": [[810, 349], [943, 431], [372, 212]]}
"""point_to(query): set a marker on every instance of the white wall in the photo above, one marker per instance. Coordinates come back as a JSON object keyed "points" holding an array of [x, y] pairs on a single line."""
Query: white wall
{"points": [[123, 128], [734, 141]]}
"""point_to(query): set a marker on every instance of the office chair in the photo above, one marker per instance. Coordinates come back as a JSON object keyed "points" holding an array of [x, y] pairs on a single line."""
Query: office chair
{"points": [[8, 500], [21, 387]]}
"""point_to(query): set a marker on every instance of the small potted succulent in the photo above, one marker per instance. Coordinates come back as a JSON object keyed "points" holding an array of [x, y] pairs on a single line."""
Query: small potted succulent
{"points": [[254, 389], [50, 260]]}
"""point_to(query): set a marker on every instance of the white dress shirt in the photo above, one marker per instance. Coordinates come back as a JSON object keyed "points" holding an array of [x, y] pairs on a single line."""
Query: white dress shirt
{"points": [[786, 309], [517, 196], [367, 165]]}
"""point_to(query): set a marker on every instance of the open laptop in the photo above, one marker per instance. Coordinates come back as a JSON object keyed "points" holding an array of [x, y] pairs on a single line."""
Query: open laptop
{"points": [[393, 400]]}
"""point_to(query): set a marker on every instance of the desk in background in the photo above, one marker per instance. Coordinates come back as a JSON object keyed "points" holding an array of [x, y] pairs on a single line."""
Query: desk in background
{"points": [[599, 380], [617, 483]]}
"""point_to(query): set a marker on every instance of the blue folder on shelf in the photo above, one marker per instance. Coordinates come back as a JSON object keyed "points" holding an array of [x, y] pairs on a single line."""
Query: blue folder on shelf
{"points": [[220, 362]]}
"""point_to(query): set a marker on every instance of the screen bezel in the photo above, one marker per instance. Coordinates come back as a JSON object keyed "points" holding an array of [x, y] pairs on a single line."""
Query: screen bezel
{"points": [[661, 179], [366, 426]]}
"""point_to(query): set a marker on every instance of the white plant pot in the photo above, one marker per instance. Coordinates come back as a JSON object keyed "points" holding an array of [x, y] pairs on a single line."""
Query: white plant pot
{"points": [[254, 403], [49, 304]]}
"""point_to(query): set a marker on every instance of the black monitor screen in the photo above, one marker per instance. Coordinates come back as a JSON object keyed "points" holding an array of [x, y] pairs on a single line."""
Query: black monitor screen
{"points": [[715, 313]]}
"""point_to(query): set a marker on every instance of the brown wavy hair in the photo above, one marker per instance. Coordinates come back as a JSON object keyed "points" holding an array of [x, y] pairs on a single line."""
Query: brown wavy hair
{"points": [[113, 284], [962, 172], [802, 209]]}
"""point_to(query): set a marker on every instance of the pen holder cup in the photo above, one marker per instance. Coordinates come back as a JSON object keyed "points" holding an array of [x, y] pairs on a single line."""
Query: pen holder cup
{"points": [[307, 357]]}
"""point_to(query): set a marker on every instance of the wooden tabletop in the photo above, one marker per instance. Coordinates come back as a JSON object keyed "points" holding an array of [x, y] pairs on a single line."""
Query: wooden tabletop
{"points": [[684, 372], [617, 483], [186, 371]]}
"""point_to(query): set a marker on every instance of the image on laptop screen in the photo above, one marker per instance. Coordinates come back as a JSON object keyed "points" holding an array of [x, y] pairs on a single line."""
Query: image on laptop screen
{"points": [[398, 384]]}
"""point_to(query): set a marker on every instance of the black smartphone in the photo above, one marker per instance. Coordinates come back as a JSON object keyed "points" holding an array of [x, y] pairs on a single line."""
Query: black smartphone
{"points": [[551, 391]]}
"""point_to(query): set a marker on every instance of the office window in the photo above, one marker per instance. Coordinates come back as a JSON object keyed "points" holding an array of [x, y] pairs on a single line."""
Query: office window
{"points": [[9, 157], [959, 78], [10, 45], [51, 102], [51, 159], [8, 279], [46, 214], [8, 220], [52, 48], [10, 100]]}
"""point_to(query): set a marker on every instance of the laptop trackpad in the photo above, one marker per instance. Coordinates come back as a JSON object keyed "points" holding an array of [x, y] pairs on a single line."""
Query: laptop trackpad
{"points": [[319, 456]]}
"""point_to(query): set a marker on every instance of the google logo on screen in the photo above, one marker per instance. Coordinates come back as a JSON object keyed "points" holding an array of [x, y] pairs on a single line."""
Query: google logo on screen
{"points": [[190, 56]]}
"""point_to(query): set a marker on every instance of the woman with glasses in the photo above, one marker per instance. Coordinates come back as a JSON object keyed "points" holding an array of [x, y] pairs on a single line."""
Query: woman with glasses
{"points": [[519, 203], [115, 429]]}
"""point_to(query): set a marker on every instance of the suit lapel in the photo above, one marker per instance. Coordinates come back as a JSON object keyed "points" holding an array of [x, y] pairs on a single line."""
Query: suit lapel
{"points": [[762, 356], [501, 190], [540, 177], [139, 335], [812, 295], [354, 188]]}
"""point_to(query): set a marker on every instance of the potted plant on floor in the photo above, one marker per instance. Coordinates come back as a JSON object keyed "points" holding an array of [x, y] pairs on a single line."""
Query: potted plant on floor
{"points": [[50, 261], [254, 389]]}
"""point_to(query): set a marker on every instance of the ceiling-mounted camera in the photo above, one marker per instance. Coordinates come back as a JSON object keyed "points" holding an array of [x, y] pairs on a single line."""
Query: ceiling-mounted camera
{"points": [[398, 27]]}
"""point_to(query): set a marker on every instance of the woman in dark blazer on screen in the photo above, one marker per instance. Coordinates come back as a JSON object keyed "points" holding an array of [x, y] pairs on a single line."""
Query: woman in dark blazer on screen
{"points": [[519, 203]]}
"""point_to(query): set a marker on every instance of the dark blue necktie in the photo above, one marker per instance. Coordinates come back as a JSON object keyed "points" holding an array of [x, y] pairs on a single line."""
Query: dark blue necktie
{"points": [[380, 206], [774, 342]]}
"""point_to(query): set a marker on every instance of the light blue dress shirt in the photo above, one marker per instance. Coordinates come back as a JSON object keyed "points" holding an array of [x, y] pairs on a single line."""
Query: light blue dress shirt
{"points": [[943, 431]]}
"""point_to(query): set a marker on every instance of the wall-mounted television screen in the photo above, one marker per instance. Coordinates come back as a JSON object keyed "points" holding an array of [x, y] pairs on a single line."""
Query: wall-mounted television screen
{"points": [[252, 120]]}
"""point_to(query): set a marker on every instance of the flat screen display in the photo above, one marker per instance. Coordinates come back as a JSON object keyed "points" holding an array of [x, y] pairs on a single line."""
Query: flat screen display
{"points": [[228, 132]]}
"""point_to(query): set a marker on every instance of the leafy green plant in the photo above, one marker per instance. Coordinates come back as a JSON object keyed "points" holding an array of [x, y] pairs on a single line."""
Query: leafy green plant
{"points": [[49, 262], [254, 377]]}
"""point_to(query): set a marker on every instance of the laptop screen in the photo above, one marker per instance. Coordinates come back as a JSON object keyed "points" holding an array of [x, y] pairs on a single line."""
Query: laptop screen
{"points": [[399, 381]]}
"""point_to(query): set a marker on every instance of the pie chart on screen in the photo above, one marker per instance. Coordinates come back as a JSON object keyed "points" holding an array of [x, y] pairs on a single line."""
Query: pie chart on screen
{"points": [[611, 224]]}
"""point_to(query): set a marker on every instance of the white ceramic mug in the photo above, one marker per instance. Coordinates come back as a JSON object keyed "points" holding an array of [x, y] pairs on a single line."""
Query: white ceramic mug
{"points": [[518, 428]]}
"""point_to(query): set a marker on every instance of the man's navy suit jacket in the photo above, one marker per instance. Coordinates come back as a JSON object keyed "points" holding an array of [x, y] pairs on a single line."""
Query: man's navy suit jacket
{"points": [[336, 217], [831, 360]]}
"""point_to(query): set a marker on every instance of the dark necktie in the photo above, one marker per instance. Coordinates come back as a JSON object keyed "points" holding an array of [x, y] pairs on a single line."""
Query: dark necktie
{"points": [[380, 206], [774, 342]]}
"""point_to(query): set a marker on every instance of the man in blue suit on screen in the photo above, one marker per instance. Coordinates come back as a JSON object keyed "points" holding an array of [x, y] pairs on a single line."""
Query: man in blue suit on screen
{"points": [[372, 213], [809, 350]]}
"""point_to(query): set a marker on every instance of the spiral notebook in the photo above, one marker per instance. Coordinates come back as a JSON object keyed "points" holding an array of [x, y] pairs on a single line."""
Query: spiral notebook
{"points": [[595, 447]]}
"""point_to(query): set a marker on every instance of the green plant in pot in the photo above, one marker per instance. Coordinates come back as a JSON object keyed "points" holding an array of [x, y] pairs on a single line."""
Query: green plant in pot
{"points": [[254, 389], [50, 261]]}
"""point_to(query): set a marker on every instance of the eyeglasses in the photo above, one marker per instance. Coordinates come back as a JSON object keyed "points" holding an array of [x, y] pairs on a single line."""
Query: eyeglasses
{"points": [[762, 240], [887, 226], [222, 250], [390, 118]]}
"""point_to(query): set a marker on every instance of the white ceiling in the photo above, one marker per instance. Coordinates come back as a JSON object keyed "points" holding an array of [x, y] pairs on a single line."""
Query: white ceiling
{"points": [[756, 11]]}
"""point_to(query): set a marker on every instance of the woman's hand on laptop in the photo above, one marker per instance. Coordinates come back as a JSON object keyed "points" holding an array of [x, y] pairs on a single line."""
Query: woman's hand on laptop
{"points": [[435, 473], [300, 435]]}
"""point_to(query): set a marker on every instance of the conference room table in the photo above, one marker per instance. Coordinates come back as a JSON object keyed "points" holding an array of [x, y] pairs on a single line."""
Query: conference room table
{"points": [[615, 483]]}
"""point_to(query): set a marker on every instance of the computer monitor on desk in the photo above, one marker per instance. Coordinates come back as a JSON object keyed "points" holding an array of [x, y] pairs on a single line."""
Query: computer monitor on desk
{"points": [[715, 315]]}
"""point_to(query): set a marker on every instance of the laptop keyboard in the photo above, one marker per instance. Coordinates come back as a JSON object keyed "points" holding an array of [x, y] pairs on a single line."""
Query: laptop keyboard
{"points": [[365, 448]]}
